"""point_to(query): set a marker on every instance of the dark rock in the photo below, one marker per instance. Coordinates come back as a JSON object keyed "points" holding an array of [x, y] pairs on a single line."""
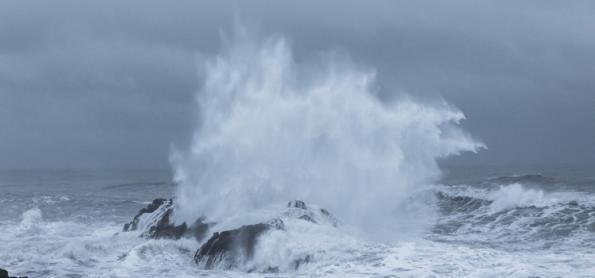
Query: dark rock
{"points": [[198, 229], [297, 204], [299, 210], [307, 218], [233, 249], [229, 249], [269, 269], [4, 274], [165, 229], [152, 207], [276, 223], [297, 263], [156, 218]]}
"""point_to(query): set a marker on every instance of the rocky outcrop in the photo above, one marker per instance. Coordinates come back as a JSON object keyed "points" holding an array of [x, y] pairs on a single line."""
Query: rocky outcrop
{"points": [[297, 204], [152, 207], [155, 221], [4, 274], [234, 248], [299, 210], [229, 249]]}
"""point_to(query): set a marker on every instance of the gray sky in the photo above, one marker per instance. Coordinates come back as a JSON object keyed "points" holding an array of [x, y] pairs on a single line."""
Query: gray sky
{"points": [[112, 84]]}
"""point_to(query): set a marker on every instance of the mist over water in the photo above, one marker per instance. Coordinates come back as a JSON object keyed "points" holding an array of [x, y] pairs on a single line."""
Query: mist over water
{"points": [[272, 129]]}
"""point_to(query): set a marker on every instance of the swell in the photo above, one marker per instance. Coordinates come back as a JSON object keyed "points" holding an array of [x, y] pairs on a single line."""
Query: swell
{"points": [[524, 179], [474, 220], [137, 185]]}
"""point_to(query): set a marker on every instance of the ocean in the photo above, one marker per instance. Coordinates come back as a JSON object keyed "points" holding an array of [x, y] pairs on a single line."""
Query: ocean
{"points": [[298, 168], [489, 222]]}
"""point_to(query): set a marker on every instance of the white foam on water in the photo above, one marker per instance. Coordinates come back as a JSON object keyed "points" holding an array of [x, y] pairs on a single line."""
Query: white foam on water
{"points": [[59, 249], [38, 248], [515, 195]]}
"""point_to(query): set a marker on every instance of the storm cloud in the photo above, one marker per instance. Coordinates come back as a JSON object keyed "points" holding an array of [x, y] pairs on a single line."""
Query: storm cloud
{"points": [[112, 83]]}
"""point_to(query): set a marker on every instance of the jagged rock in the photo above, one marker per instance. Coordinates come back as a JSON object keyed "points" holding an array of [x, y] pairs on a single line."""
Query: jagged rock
{"points": [[307, 218], [164, 229], [229, 249], [299, 209], [152, 207], [234, 248], [155, 222], [297, 204], [4, 274], [225, 249], [297, 263]]}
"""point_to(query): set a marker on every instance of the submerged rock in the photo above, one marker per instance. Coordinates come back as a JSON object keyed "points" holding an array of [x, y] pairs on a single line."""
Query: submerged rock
{"points": [[155, 222], [229, 249]]}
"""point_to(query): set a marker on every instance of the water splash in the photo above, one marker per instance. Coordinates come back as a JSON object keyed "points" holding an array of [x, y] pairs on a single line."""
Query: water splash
{"points": [[515, 195], [272, 130]]}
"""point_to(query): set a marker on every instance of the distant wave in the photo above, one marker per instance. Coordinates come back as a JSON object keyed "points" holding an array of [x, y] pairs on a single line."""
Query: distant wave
{"points": [[513, 213], [137, 184], [524, 179]]}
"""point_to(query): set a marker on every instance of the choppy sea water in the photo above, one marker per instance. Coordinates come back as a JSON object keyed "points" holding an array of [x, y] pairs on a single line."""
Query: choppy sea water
{"points": [[490, 222]]}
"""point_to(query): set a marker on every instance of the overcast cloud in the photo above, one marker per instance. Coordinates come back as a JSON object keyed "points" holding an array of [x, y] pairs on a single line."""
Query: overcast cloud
{"points": [[112, 83]]}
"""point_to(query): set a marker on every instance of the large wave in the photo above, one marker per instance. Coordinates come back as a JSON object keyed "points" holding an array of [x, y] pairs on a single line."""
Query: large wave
{"points": [[272, 130]]}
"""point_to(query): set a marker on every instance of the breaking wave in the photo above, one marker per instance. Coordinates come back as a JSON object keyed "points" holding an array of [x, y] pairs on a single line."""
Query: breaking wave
{"points": [[511, 214], [524, 179], [273, 129]]}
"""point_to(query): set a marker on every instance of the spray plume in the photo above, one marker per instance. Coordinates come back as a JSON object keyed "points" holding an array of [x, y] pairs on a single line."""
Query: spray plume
{"points": [[272, 131]]}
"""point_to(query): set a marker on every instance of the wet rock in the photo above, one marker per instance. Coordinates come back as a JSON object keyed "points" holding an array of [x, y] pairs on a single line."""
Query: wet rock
{"points": [[163, 228], [297, 204], [235, 248], [156, 222], [301, 261], [230, 249], [4, 274], [152, 207], [299, 210], [307, 218]]}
